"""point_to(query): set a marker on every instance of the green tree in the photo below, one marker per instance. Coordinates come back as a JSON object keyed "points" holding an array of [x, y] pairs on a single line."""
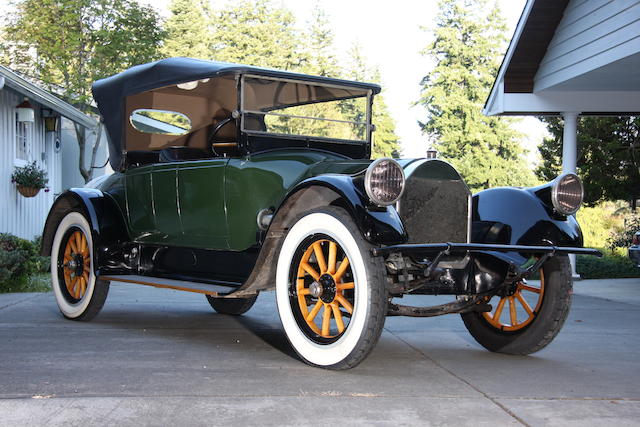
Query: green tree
{"points": [[318, 55], [69, 44], [256, 33], [187, 29], [608, 157], [469, 38], [385, 140]]}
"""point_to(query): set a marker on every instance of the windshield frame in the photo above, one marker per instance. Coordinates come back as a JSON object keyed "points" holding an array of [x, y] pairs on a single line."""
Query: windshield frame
{"points": [[369, 127]]}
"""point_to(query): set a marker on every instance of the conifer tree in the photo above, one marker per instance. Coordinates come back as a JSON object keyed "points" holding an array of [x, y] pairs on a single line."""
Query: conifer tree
{"points": [[187, 29], [468, 43]]}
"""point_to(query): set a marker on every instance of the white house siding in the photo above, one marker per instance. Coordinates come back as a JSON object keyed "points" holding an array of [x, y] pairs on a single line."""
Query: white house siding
{"points": [[591, 34], [71, 176], [22, 216]]}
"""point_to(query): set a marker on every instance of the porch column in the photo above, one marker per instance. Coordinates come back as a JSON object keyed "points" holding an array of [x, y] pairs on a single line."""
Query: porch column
{"points": [[570, 159]]}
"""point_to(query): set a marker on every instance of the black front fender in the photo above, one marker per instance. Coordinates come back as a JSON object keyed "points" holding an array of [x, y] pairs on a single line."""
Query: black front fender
{"points": [[379, 225], [515, 216]]}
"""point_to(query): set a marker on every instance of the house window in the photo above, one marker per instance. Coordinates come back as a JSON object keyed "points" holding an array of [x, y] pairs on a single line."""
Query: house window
{"points": [[22, 141]]}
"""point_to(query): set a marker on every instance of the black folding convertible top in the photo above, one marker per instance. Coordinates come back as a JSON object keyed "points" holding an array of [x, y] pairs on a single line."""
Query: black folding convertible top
{"points": [[110, 93]]}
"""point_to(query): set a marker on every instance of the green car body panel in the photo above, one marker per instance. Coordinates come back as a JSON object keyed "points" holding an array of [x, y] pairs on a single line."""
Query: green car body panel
{"points": [[214, 203]]}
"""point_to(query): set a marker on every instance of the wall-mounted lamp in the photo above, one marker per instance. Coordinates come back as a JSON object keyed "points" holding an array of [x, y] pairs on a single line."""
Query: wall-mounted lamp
{"points": [[50, 120], [25, 112]]}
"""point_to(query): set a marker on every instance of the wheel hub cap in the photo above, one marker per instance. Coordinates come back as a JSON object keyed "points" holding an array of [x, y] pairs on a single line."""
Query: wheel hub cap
{"points": [[328, 286]]}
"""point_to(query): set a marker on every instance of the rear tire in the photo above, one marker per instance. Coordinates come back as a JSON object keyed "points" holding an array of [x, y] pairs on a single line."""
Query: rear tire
{"points": [[80, 296], [525, 336], [232, 306]]}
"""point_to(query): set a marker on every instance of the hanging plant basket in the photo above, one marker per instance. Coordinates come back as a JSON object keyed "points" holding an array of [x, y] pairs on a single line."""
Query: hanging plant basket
{"points": [[29, 179], [28, 191]]}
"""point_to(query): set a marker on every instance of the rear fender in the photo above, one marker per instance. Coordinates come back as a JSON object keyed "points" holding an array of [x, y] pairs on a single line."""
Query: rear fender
{"points": [[107, 225]]}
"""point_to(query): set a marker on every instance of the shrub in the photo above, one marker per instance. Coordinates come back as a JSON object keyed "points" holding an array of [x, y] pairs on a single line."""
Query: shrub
{"points": [[622, 238], [612, 265], [19, 259]]}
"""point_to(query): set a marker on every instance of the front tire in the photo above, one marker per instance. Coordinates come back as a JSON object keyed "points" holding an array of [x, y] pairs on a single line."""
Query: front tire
{"points": [[526, 318], [79, 295], [330, 290]]}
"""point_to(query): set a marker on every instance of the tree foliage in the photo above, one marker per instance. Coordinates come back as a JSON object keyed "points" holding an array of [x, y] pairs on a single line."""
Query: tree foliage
{"points": [[69, 44], [255, 33], [608, 156], [385, 140], [469, 38], [187, 29]]}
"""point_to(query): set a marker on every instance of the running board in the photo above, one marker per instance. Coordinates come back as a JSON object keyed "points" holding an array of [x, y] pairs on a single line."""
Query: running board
{"points": [[160, 282]]}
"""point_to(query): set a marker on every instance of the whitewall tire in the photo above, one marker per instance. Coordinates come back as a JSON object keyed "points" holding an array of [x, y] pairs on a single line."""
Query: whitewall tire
{"points": [[330, 290], [78, 294]]}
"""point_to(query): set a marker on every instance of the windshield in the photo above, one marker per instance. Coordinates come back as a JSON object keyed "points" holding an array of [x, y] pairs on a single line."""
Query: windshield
{"points": [[293, 108]]}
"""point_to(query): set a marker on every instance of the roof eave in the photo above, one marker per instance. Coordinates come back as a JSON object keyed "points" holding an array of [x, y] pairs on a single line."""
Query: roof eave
{"points": [[24, 87]]}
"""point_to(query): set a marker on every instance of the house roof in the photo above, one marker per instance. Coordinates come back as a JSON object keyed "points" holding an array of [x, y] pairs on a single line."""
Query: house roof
{"points": [[47, 99], [570, 56]]}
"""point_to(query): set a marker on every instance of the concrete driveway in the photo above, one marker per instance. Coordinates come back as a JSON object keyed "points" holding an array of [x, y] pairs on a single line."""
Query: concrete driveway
{"points": [[161, 357]]}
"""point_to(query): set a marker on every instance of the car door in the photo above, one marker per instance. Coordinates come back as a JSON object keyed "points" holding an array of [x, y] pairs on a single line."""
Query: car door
{"points": [[201, 204], [140, 203], [168, 229]]}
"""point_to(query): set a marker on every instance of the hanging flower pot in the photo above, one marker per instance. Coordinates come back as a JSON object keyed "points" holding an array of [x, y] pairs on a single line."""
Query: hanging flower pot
{"points": [[29, 179], [28, 191]]}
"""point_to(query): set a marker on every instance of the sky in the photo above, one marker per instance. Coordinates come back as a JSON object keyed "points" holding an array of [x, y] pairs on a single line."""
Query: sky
{"points": [[392, 38], [392, 35]]}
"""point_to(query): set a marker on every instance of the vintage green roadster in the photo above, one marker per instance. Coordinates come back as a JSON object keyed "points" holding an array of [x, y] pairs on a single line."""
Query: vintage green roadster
{"points": [[231, 180]]}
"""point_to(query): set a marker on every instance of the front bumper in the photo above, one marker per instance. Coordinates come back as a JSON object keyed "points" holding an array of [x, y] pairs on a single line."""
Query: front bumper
{"points": [[459, 248]]}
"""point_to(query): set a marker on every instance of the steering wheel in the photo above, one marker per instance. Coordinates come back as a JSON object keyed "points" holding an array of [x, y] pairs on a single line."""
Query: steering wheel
{"points": [[211, 142]]}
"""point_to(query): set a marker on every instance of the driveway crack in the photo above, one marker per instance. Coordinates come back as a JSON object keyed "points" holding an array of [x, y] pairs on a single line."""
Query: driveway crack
{"points": [[450, 372]]}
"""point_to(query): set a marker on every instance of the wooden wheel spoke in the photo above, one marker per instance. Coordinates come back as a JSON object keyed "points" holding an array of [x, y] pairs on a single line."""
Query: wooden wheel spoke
{"points": [[512, 311], [83, 287], [78, 241], [317, 249], [326, 320], [343, 301], [74, 287], [66, 257], [314, 311], [344, 264], [83, 245], [72, 243], [304, 291], [310, 270], [524, 303], [343, 286], [529, 288], [338, 316], [333, 252], [498, 313]]}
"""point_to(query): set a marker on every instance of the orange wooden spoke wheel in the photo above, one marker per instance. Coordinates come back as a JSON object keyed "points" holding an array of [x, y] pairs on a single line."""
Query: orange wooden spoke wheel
{"points": [[517, 309], [76, 264], [324, 288]]}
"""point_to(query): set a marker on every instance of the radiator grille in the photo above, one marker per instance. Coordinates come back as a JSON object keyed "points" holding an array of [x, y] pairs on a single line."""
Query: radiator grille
{"points": [[435, 210]]}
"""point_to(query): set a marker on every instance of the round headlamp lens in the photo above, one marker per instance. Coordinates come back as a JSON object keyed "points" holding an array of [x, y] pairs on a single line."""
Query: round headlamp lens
{"points": [[384, 181], [567, 194]]}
